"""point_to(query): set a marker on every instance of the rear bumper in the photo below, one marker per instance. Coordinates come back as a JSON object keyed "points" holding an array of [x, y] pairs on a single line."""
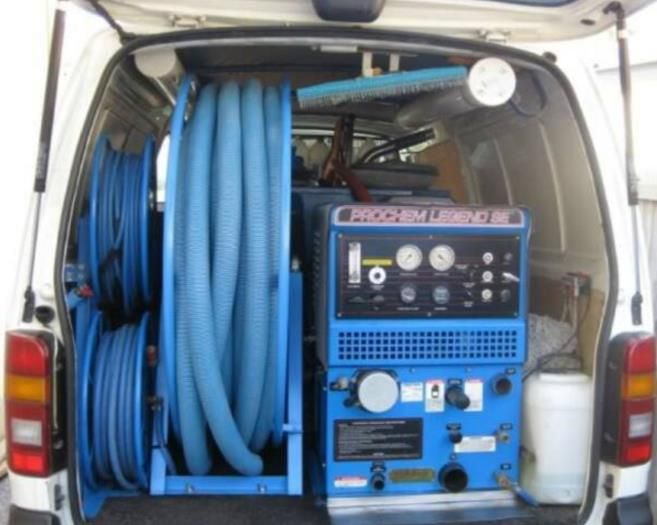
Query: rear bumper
{"points": [[18, 516], [629, 511]]}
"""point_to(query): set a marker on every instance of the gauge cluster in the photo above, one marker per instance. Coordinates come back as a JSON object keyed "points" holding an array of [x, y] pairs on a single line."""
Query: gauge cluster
{"points": [[428, 276]]}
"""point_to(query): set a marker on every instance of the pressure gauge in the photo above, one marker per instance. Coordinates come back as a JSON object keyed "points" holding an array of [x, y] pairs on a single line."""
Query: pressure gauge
{"points": [[442, 257], [409, 257], [440, 294]]}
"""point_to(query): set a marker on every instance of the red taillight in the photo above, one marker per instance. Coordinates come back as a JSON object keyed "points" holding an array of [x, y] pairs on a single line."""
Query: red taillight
{"points": [[635, 446], [640, 355], [28, 398], [630, 400]]}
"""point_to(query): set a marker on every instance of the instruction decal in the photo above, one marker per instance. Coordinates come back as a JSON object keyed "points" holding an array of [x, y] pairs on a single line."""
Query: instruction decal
{"points": [[374, 439], [412, 392], [474, 389]]}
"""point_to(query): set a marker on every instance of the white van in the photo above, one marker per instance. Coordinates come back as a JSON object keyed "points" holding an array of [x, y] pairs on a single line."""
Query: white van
{"points": [[545, 147]]}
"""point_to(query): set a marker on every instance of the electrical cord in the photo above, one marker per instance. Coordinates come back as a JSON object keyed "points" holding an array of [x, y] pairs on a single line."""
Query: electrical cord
{"points": [[113, 413], [119, 217], [542, 361]]}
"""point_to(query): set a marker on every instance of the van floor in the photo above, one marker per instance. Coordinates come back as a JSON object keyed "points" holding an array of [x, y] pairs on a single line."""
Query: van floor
{"points": [[266, 510]]}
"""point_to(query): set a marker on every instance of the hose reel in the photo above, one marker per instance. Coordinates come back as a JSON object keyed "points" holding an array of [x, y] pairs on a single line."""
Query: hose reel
{"points": [[225, 263]]}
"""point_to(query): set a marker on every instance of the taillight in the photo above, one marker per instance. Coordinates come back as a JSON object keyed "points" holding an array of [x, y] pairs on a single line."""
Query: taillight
{"points": [[28, 402], [630, 400]]}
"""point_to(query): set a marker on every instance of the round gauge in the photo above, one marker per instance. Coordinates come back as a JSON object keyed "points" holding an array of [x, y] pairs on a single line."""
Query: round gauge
{"points": [[442, 257], [408, 294], [440, 294], [409, 257]]}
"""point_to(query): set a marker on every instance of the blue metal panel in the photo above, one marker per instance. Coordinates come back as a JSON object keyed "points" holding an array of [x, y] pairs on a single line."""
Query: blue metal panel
{"points": [[352, 478]]}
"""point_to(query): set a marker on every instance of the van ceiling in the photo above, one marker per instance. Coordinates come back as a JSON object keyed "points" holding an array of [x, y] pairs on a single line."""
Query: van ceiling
{"points": [[302, 65]]}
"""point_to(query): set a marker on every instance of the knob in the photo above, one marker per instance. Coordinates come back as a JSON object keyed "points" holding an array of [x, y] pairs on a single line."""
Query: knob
{"points": [[456, 397], [505, 295], [377, 391], [377, 275], [487, 276], [408, 294], [455, 436], [488, 258], [487, 295]]}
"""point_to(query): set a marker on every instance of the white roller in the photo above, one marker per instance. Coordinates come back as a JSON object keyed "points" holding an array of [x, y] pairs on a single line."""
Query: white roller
{"points": [[162, 66], [491, 82]]}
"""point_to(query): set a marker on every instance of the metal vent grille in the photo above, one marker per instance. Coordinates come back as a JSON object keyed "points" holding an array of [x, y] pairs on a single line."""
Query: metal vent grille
{"points": [[419, 346]]}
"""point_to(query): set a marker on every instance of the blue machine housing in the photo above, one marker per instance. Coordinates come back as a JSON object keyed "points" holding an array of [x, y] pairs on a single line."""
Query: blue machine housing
{"points": [[422, 443]]}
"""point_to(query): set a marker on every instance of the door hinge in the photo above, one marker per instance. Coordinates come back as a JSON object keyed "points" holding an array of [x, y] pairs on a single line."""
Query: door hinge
{"points": [[187, 22], [495, 37]]}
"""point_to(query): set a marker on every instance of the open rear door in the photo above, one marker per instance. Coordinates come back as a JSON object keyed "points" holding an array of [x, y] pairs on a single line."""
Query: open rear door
{"points": [[512, 20]]}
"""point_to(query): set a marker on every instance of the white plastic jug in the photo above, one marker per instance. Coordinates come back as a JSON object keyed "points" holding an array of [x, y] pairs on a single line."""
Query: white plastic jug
{"points": [[557, 412]]}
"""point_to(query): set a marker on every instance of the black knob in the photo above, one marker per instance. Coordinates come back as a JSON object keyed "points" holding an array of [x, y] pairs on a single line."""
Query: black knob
{"points": [[455, 436], [455, 396]]}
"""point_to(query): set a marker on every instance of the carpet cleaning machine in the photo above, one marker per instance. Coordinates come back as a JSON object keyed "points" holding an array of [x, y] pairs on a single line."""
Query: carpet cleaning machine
{"points": [[422, 318], [193, 384]]}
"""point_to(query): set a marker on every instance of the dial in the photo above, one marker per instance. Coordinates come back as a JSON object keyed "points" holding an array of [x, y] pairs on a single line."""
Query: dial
{"points": [[409, 257], [440, 294], [408, 294], [487, 295], [442, 257]]}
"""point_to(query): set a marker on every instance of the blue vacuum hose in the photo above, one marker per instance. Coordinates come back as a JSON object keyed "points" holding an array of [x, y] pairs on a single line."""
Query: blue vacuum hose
{"points": [[226, 234]]}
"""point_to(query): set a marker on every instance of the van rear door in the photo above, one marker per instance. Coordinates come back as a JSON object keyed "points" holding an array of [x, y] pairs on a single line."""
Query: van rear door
{"points": [[508, 20]]}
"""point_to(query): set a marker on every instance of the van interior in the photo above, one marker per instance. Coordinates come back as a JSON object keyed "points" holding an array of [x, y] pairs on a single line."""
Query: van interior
{"points": [[419, 149]]}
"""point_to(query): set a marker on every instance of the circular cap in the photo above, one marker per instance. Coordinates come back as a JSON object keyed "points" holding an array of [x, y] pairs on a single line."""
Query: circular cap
{"points": [[377, 391], [492, 81]]}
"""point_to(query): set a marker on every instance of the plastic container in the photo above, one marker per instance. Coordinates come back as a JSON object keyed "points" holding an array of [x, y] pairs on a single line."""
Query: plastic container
{"points": [[557, 411]]}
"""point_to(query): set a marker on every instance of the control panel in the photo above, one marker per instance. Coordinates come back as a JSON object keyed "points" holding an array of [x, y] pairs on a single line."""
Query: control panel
{"points": [[426, 276]]}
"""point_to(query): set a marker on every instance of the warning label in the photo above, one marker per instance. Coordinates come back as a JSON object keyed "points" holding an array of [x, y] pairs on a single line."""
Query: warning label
{"points": [[366, 439], [475, 444], [412, 392], [350, 482], [474, 389], [434, 395]]}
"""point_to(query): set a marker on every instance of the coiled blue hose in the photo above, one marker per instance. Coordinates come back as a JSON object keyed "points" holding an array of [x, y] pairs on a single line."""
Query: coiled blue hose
{"points": [[114, 429], [226, 229], [172, 235], [119, 209], [254, 288]]}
